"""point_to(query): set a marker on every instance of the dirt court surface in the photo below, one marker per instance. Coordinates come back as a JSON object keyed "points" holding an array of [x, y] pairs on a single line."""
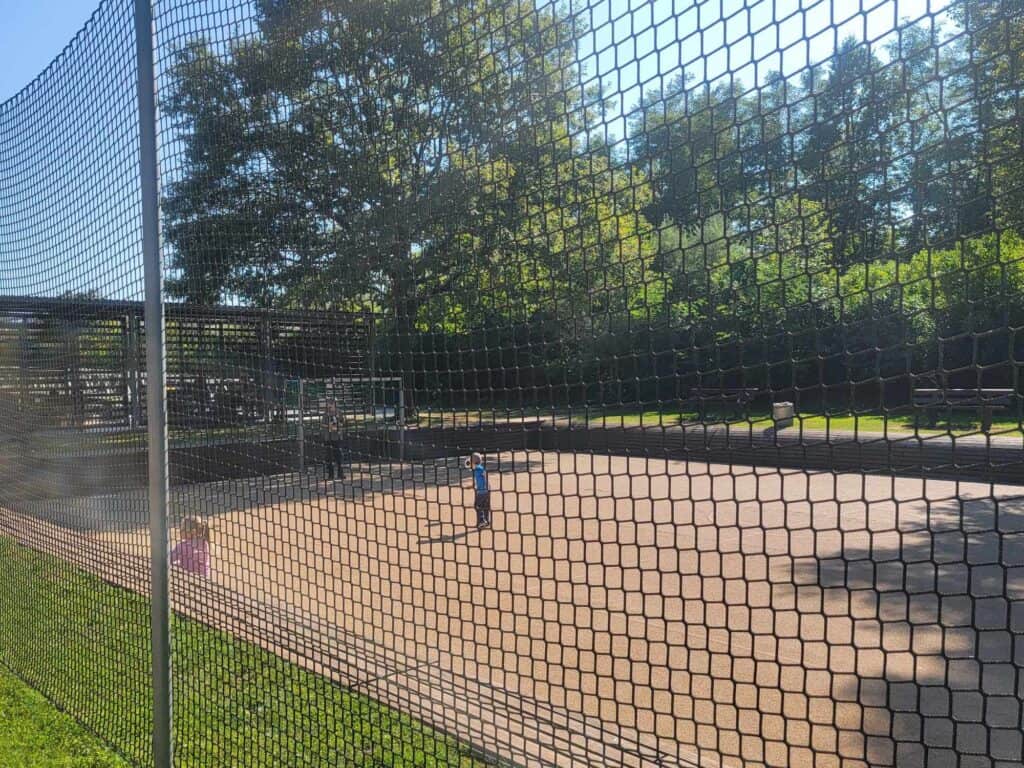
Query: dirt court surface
{"points": [[638, 612]]}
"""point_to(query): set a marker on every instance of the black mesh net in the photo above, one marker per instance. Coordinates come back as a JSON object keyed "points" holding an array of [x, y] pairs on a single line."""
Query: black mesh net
{"points": [[578, 383], [74, 611]]}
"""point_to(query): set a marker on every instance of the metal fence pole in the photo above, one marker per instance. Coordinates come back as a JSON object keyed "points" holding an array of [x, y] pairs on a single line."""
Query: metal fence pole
{"points": [[401, 422], [155, 386], [302, 430]]}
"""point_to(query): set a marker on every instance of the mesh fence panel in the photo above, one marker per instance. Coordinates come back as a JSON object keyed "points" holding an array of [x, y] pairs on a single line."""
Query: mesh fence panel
{"points": [[74, 612], [583, 383]]}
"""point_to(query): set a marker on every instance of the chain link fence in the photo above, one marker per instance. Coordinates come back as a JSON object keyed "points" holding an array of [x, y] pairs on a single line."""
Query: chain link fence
{"points": [[589, 383]]}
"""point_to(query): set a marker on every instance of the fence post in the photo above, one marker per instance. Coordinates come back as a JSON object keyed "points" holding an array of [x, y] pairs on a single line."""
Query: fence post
{"points": [[126, 369], [140, 380], [155, 386], [302, 430], [401, 421], [23, 365]]}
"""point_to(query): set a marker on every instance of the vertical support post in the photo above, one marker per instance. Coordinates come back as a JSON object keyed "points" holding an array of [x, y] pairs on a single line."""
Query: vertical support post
{"points": [[266, 387], [23, 364], [371, 342], [75, 379], [401, 421], [370, 318], [156, 386], [302, 428], [136, 364], [126, 369]]}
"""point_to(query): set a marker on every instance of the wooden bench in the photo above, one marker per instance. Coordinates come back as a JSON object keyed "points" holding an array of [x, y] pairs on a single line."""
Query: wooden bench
{"points": [[985, 401]]}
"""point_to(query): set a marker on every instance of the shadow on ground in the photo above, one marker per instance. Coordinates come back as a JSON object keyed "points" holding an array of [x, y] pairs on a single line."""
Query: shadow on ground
{"points": [[438, 536], [127, 511], [923, 622]]}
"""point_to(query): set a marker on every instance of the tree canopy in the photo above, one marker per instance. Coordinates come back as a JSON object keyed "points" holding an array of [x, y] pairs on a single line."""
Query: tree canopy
{"points": [[443, 162]]}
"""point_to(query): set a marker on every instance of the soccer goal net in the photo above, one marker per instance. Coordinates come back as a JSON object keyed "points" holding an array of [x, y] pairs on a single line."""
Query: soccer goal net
{"points": [[361, 401]]}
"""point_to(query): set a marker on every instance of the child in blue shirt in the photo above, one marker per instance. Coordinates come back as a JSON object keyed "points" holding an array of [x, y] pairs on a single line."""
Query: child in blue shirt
{"points": [[482, 489]]}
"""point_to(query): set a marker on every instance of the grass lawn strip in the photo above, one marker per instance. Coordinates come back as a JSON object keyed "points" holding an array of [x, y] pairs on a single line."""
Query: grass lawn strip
{"points": [[34, 734], [85, 644]]}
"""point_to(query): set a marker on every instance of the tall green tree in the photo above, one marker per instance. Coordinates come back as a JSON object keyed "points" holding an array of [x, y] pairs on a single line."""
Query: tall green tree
{"points": [[846, 150], [690, 142], [994, 61], [408, 152], [939, 186]]}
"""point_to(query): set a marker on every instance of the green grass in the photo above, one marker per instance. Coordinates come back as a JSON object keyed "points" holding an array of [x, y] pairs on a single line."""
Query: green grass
{"points": [[962, 423], [34, 734], [84, 643], [895, 423]]}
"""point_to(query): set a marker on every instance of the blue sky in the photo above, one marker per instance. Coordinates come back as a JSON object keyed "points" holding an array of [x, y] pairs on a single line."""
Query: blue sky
{"points": [[33, 32], [637, 45]]}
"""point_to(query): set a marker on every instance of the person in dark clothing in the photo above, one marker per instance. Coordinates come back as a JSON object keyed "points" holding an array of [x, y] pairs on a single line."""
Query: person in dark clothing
{"points": [[332, 433]]}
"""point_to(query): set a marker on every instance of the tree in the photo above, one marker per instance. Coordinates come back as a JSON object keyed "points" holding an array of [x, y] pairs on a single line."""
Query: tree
{"points": [[355, 150], [690, 143], [939, 188], [846, 151], [995, 56]]}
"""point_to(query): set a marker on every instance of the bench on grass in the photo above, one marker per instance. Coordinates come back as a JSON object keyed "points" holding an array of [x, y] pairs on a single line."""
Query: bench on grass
{"points": [[985, 401]]}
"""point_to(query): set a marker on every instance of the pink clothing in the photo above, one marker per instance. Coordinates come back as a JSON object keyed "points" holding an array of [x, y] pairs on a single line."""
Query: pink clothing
{"points": [[192, 555]]}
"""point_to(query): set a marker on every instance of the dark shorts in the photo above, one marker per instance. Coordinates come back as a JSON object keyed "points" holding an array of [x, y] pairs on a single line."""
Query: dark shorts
{"points": [[333, 453], [483, 502]]}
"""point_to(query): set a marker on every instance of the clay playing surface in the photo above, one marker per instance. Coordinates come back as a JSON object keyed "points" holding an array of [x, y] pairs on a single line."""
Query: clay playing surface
{"points": [[630, 611]]}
